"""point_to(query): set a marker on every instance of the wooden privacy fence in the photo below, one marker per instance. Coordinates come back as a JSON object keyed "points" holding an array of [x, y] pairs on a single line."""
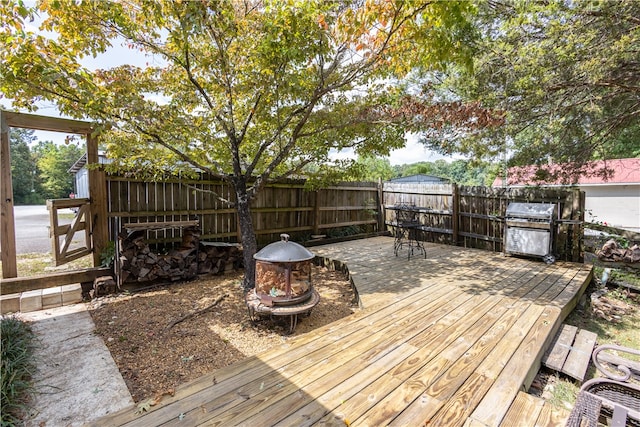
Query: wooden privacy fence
{"points": [[451, 214], [474, 216], [348, 208]]}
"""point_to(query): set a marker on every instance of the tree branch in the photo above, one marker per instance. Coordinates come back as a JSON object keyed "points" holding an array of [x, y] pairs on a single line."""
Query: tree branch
{"points": [[250, 117], [197, 312], [159, 140], [219, 197]]}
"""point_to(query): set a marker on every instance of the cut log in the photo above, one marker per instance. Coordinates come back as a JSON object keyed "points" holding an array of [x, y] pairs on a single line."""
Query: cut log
{"points": [[143, 273], [220, 257], [104, 285]]}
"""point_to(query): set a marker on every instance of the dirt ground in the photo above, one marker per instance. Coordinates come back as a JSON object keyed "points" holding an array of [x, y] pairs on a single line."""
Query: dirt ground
{"points": [[155, 357]]}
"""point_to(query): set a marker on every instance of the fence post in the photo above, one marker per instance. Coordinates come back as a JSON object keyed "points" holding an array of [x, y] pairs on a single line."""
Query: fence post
{"points": [[98, 200], [7, 222], [316, 212], [455, 209], [578, 214], [381, 212]]}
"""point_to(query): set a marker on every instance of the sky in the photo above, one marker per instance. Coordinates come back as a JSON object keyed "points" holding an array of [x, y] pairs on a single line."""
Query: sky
{"points": [[413, 151]]}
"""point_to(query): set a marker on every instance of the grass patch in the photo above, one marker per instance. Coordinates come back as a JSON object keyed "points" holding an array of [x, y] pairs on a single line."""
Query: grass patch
{"points": [[18, 341], [32, 264], [564, 393], [625, 279], [37, 264], [68, 216]]}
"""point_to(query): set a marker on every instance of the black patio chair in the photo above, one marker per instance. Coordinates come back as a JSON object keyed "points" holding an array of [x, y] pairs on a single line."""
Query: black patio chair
{"points": [[614, 397], [406, 226], [613, 362]]}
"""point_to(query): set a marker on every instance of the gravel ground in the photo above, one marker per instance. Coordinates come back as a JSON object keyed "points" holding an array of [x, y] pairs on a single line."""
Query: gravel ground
{"points": [[155, 357]]}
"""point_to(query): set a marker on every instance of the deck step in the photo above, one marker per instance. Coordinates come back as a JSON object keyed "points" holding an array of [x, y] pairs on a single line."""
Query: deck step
{"points": [[527, 410], [570, 351]]}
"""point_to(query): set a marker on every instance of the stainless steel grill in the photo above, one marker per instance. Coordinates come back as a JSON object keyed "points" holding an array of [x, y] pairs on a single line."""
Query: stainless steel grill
{"points": [[529, 228]]}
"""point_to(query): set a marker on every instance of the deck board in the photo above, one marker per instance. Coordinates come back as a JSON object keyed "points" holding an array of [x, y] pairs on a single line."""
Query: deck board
{"points": [[440, 336], [524, 411], [559, 350], [447, 340], [531, 411], [579, 357]]}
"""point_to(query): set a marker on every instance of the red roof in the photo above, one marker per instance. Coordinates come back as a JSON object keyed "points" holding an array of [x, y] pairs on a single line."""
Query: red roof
{"points": [[616, 171]]}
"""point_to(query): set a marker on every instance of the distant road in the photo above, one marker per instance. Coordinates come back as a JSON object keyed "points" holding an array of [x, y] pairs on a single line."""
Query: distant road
{"points": [[32, 228]]}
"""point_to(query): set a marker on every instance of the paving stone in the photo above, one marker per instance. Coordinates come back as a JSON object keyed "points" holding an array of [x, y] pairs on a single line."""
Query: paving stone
{"points": [[52, 297], [71, 294], [9, 303], [31, 301]]}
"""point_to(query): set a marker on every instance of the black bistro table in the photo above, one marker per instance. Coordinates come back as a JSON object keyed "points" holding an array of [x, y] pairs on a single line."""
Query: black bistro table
{"points": [[406, 226]]}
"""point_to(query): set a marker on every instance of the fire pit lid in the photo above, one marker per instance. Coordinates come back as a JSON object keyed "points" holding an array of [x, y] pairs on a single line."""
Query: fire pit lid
{"points": [[284, 251]]}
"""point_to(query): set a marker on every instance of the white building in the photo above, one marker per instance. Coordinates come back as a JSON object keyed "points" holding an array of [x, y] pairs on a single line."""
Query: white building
{"points": [[79, 169], [614, 201]]}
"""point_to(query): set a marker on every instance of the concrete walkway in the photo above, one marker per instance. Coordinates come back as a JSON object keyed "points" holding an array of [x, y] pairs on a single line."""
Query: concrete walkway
{"points": [[77, 380]]}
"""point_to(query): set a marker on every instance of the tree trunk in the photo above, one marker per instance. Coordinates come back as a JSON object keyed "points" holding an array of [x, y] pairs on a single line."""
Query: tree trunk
{"points": [[249, 242]]}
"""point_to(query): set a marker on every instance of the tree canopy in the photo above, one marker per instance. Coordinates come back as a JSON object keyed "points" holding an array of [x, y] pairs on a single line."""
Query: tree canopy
{"points": [[251, 90], [24, 172], [53, 163], [464, 172], [371, 168], [40, 170], [566, 76]]}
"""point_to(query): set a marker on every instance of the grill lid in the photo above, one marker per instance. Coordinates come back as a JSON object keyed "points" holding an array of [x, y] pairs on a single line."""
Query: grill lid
{"points": [[531, 210], [284, 251]]}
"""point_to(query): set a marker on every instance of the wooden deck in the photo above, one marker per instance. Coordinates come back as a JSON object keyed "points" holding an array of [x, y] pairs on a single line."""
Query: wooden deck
{"points": [[448, 340]]}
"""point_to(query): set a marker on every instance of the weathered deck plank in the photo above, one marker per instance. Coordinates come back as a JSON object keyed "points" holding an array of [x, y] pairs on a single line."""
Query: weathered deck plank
{"points": [[578, 360], [448, 340], [559, 350]]}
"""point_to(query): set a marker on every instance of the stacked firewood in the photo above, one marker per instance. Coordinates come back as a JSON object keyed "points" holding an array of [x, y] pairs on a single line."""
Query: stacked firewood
{"points": [[612, 251], [218, 258], [139, 263]]}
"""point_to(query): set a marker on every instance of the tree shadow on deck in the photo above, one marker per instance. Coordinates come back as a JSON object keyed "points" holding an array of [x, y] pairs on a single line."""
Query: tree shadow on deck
{"points": [[378, 274]]}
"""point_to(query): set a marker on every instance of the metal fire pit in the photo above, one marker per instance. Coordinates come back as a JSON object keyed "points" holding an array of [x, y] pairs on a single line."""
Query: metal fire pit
{"points": [[283, 273], [528, 230], [283, 282]]}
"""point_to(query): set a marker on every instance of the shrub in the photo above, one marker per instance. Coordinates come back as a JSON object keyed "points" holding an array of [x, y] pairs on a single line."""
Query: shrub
{"points": [[16, 351], [344, 231]]}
